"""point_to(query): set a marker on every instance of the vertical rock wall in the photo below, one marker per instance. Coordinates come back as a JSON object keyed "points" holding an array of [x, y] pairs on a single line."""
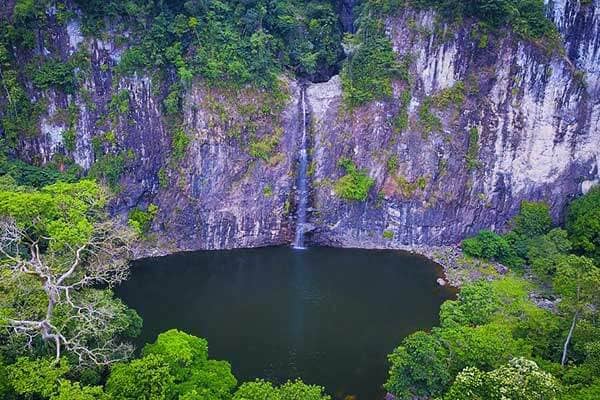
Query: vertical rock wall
{"points": [[536, 119], [537, 134]]}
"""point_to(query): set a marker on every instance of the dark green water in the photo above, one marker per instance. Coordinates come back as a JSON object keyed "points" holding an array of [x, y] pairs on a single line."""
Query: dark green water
{"points": [[329, 316]]}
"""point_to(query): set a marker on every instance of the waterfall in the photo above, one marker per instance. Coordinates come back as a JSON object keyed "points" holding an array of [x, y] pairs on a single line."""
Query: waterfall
{"points": [[302, 185]]}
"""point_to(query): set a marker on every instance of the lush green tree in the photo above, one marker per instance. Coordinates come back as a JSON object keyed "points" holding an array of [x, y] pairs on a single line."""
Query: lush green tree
{"points": [[486, 346], [583, 224], [175, 365], [295, 390], [529, 225], [56, 246], [187, 357], [521, 379], [537, 327], [5, 388], [592, 357], [257, 390], [418, 367], [42, 378], [476, 305], [577, 281], [291, 390], [146, 378], [68, 390], [532, 220], [489, 324], [486, 244], [544, 252], [591, 392], [36, 377]]}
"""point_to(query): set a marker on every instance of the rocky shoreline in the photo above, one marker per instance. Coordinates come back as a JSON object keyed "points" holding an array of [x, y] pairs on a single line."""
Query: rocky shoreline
{"points": [[458, 268]]}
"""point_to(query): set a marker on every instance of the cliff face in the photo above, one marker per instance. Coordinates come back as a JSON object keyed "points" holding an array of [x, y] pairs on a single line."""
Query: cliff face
{"points": [[233, 188], [532, 123], [528, 129]]}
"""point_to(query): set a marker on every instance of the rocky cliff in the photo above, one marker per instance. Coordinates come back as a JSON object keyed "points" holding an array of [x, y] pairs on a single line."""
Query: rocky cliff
{"points": [[527, 128]]}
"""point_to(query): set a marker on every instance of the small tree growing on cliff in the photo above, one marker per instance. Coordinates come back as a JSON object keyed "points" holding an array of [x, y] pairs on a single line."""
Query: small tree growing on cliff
{"points": [[56, 249]]}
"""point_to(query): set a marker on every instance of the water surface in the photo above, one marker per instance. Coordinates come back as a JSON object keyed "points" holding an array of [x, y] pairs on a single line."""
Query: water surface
{"points": [[329, 316]]}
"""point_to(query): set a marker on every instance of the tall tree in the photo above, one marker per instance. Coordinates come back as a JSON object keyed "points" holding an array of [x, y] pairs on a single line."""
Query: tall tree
{"points": [[577, 281], [56, 249]]}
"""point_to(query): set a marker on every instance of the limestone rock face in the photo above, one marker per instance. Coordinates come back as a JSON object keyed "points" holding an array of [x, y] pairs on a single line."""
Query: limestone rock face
{"points": [[537, 131], [529, 129], [222, 196]]}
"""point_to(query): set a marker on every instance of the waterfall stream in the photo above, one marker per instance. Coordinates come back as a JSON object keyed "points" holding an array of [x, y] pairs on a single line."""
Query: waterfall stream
{"points": [[302, 185]]}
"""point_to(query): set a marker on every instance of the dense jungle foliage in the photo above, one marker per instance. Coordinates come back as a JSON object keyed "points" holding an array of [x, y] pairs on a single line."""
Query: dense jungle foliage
{"points": [[494, 342]]}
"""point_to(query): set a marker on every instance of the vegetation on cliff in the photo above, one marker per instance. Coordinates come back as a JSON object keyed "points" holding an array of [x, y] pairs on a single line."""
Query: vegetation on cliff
{"points": [[372, 65], [526, 18], [355, 184]]}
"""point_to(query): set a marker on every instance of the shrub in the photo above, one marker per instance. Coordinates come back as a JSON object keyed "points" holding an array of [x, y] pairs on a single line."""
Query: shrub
{"points": [[54, 73], [141, 220], [163, 178], [267, 191], [109, 167], [407, 188], [486, 244], [454, 95], [428, 120], [401, 122], [179, 144], [119, 102], [473, 149], [172, 102], [263, 148], [491, 246], [368, 72], [355, 185], [30, 175], [392, 163], [19, 116]]}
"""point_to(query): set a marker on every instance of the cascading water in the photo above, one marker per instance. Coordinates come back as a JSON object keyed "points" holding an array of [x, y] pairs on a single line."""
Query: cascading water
{"points": [[302, 184]]}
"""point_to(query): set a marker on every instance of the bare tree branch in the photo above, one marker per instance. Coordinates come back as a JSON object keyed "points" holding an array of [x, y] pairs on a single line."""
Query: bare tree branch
{"points": [[63, 276]]}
